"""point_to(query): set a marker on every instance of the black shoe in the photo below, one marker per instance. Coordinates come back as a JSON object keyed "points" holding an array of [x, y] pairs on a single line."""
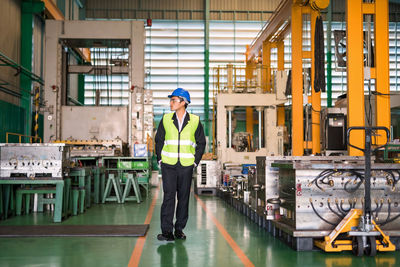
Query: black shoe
{"points": [[166, 237], [180, 235]]}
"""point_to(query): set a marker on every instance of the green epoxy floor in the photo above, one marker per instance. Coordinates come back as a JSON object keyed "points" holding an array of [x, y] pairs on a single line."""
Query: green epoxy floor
{"points": [[205, 245]]}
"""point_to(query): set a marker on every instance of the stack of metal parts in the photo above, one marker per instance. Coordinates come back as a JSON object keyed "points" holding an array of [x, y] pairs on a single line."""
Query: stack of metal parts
{"points": [[263, 186], [142, 116], [34, 161], [263, 206], [208, 176], [96, 148], [316, 193], [234, 184]]}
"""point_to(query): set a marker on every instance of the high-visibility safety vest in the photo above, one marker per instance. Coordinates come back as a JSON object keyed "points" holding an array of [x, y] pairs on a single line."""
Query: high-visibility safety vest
{"points": [[179, 145]]}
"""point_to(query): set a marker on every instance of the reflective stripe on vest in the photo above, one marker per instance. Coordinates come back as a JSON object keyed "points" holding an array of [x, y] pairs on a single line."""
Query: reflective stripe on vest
{"points": [[181, 145], [182, 142]]}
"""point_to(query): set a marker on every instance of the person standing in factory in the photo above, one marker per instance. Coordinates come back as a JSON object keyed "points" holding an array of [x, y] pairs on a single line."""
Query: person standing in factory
{"points": [[180, 144]]}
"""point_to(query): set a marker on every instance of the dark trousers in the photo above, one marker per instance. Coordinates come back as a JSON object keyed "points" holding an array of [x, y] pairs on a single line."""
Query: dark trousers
{"points": [[176, 183]]}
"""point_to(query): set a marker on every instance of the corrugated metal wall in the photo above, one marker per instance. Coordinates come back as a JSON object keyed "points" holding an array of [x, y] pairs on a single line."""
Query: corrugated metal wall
{"points": [[10, 29], [11, 115], [252, 10], [181, 9], [251, 5], [12, 119]]}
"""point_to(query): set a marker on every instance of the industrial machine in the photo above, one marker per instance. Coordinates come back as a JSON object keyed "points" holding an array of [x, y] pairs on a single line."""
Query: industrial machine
{"points": [[97, 129], [236, 143], [34, 161], [334, 127], [316, 193], [95, 148], [232, 180], [362, 225], [344, 200], [208, 177]]}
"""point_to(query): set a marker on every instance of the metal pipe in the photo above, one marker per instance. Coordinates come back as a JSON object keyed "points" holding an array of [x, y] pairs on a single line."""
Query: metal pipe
{"points": [[259, 128], [130, 143], [73, 100], [367, 174], [56, 91], [230, 128], [206, 65], [10, 92], [329, 57]]}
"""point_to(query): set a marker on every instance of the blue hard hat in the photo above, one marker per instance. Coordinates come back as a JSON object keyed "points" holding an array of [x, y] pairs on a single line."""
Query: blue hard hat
{"points": [[180, 92]]}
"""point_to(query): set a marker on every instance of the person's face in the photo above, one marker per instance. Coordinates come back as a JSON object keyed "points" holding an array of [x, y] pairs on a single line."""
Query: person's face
{"points": [[176, 103]]}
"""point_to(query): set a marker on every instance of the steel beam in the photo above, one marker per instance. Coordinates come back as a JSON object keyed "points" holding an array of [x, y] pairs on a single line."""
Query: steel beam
{"points": [[105, 70], [55, 13], [315, 96], [281, 14], [355, 73], [281, 66], [382, 67], [52, 10], [297, 82]]}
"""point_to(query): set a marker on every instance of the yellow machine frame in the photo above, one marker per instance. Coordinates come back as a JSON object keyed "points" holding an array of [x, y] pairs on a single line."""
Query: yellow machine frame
{"points": [[289, 16], [289, 19], [355, 10]]}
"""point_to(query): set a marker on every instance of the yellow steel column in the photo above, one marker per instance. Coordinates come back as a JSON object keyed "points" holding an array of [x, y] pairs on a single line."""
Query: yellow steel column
{"points": [[315, 97], [382, 66], [249, 66], [355, 73], [281, 55], [297, 82], [249, 110], [266, 72], [249, 120], [281, 66]]}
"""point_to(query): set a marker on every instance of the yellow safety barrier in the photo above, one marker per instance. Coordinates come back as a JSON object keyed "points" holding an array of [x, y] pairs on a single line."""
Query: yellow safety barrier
{"points": [[31, 138]]}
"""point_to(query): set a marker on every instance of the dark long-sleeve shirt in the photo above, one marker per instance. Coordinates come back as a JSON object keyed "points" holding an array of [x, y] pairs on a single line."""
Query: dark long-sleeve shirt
{"points": [[199, 137]]}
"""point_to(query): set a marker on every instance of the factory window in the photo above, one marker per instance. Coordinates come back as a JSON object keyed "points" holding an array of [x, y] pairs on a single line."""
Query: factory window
{"points": [[175, 58], [101, 89]]}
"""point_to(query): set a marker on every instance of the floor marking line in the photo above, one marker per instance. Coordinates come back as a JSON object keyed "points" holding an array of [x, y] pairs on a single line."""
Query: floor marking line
{"points": [[242, 256], [137, 251]]}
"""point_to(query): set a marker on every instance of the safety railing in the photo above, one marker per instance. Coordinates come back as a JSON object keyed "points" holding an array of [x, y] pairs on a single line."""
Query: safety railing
{"points": [[31, 138]]}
